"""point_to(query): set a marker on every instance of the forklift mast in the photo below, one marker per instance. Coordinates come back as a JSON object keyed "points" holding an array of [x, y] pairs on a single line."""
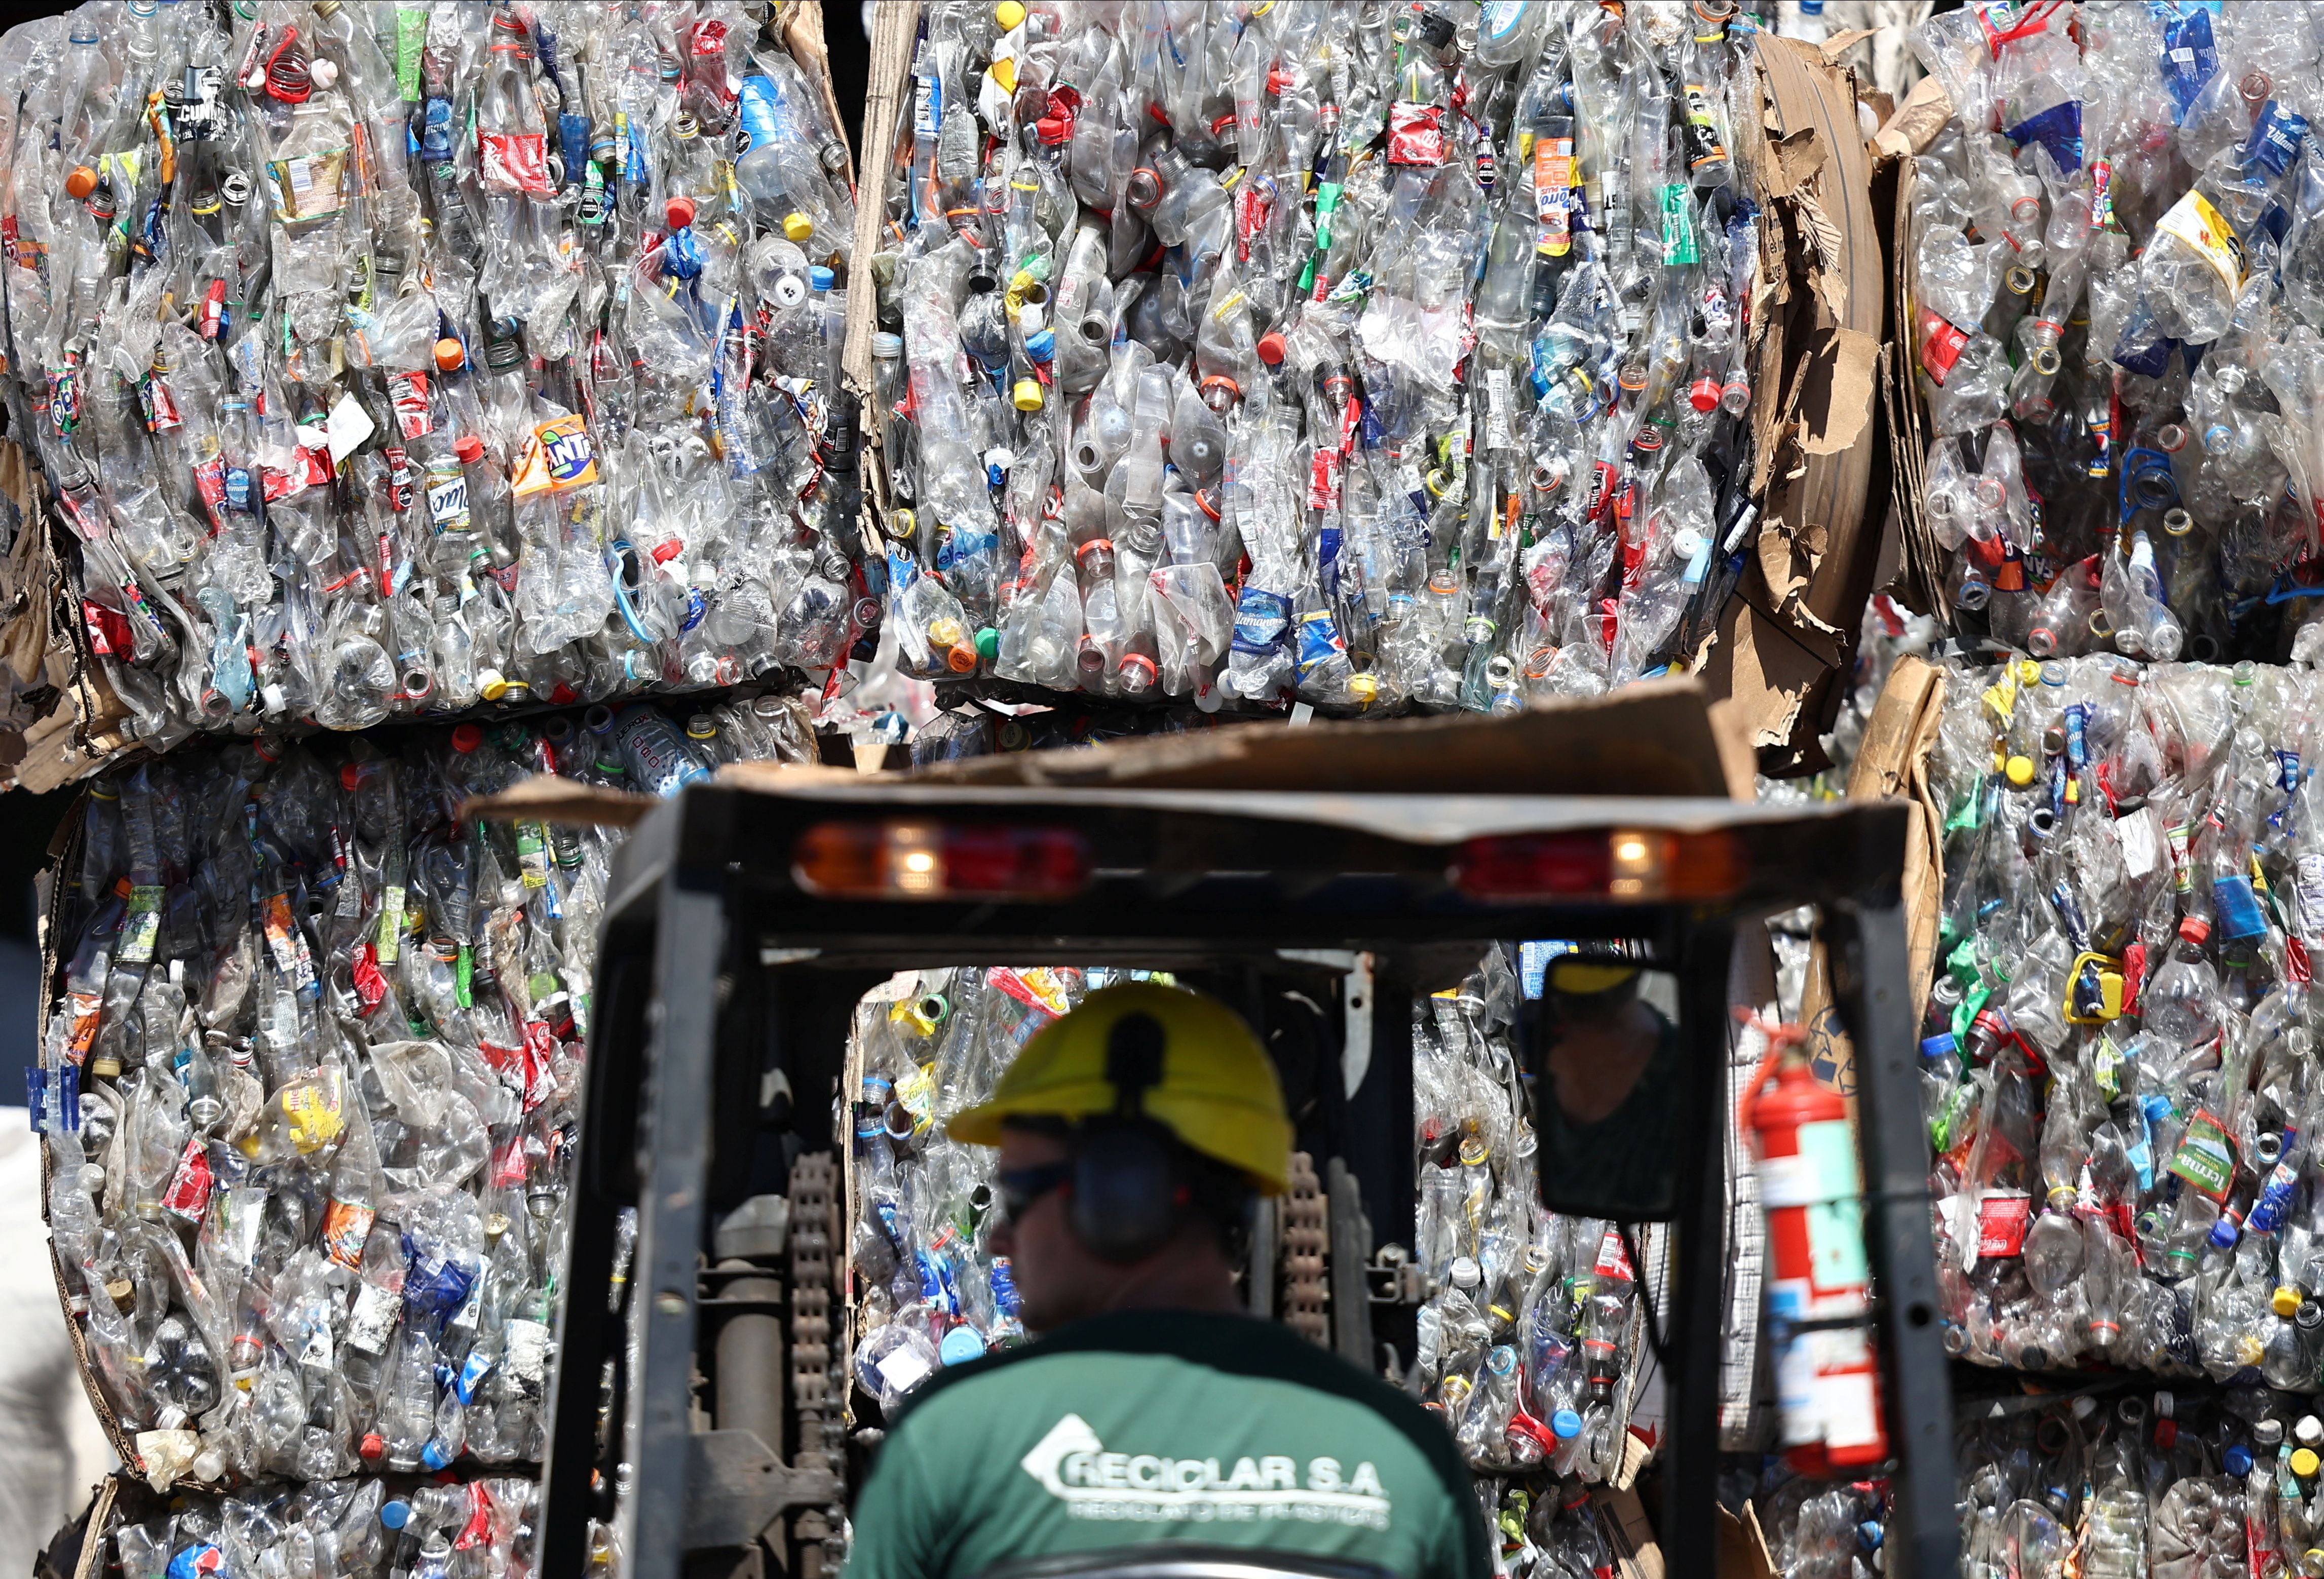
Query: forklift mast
{"points": [[745, 922]]}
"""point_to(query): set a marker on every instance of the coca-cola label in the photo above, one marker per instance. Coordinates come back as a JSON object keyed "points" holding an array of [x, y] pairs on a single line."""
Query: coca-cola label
{"points": [[108, 630], [413, 416], [1415, 134], [515, 162], [371, 986], [1613, 1259], [2002, 1219], [189, 1195], [1941, 346]]}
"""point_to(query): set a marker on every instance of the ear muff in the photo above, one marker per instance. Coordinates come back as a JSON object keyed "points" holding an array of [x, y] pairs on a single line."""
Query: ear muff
{"points": [[1127, 1197]]}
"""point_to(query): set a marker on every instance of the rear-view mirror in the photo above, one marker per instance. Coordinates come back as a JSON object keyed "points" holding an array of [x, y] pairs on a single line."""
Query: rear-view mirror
{"points": [[1610, 1075]]}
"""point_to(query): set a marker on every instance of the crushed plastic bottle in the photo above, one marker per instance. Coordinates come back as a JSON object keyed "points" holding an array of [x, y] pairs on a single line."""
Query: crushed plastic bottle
{"points": [[2116, 1069], [308, 1095], [1375, 358], [1529, 1337], [362, 1526], [2116, 329], [392, 361], [2128, 1481]]}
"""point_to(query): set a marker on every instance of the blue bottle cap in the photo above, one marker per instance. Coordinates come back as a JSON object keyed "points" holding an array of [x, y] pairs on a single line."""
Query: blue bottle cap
{"points": [[434, 1456], [1943, 1045], [960, 1345], [1869, 1535], [2237, 1459], [2224, 1234], [1565, 1423], [395, 1513], [820, 277]]}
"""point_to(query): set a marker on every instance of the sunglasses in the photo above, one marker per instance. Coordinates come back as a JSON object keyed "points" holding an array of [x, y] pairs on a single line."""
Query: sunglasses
{"points": [[1022, 1187]]}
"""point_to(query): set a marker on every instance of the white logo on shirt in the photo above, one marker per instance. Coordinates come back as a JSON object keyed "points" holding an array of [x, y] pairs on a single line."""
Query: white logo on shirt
{"points": [[1073, 1466]]}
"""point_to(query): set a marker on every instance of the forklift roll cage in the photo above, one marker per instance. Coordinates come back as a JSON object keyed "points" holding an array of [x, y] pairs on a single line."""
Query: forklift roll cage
{"points": [[741, 924]]}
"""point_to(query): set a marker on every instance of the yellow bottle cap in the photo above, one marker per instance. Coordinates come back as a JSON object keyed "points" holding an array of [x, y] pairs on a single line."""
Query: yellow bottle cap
{"points": [[1364, 689], [2303, 1462], [946, 632], [1027, 395], [798, 227], [2020, 771], [2286, 1303], [491, 686], [1009, 14]]}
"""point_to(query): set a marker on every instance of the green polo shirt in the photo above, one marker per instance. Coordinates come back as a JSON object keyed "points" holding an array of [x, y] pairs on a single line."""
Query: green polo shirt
{"points": [[1145, 1427]]}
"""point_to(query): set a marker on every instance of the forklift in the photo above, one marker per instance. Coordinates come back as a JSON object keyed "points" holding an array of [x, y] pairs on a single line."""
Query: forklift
{"points": [[698, 1419]]}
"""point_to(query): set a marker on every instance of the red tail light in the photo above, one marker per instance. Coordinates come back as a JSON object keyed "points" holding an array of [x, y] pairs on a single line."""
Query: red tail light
{"points": [[1623, 864], [903, 860]]}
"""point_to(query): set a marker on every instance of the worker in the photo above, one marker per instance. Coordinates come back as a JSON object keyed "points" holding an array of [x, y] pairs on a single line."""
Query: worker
{"points": [[1135, 1134], [1612, 1062]]}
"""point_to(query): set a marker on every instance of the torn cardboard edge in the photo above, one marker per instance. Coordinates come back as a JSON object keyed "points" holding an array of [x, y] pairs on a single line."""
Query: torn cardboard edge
{"points": [[1653, 739], [803, 34], [1782, 654], [895, 27], [1892, 765], [1914, 124], [1741, 1550], [1921, 581]]}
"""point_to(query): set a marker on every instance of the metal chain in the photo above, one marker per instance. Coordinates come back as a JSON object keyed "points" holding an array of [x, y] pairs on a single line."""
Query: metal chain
{"points": [[1306, 1218], [814, 1397]]}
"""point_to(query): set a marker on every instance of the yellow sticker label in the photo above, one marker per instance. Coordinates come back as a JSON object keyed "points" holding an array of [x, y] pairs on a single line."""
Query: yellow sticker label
{"points": [[2194, 221], [916, 1091], [313, 1115], [2001, 695]]}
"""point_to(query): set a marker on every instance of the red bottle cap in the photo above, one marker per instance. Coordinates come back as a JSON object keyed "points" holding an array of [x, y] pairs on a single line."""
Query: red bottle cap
{"points": [[2195, 930], [1271, 348], [466, 738], [679, 212], [467, 447]]}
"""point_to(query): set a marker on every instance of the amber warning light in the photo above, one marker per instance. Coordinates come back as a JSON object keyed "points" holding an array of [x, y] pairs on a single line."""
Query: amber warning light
{"points": [[1625, 864], [899, 860]]}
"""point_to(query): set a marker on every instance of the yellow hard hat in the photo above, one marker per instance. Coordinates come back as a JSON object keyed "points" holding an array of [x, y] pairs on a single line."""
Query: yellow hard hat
{"points": [[1580, 978], [1218, 1093]]}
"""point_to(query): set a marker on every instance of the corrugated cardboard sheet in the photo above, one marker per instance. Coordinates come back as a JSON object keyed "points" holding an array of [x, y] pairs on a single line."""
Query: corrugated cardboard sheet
{"points": [[1784, 652], [1657, 738], [1893, 764]]}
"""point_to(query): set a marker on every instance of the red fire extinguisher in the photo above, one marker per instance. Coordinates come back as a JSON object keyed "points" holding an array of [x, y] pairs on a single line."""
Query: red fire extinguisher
{"points": [[1827, 1368]]}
